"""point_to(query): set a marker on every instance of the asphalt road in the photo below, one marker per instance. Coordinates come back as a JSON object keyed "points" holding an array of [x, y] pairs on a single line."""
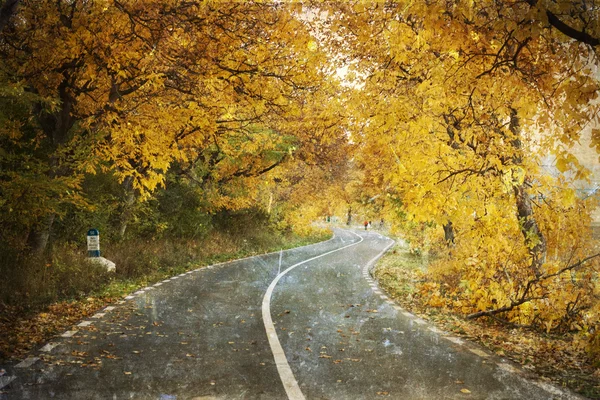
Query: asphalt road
{"points": [[306, 323]]}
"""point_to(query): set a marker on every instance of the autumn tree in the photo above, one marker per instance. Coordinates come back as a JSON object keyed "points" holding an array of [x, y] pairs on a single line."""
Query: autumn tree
{"points": [[459, 101], [136, 88]]}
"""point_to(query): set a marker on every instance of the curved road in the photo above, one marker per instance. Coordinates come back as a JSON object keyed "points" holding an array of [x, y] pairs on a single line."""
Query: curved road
{"points": [[306, 323]]}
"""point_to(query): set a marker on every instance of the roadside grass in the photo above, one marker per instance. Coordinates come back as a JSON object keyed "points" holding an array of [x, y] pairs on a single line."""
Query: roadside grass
{"points": [[41, 300], [556, 358]]}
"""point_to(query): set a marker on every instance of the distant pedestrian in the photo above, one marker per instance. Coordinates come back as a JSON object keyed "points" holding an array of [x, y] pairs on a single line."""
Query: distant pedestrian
{"points": [[369, 225], [366, 224]]}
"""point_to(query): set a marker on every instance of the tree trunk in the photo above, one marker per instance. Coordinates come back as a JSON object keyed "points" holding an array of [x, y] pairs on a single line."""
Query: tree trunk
{"points": [[37, 239], [127, 213], [349, 220], [534, 238], [449, 234]]}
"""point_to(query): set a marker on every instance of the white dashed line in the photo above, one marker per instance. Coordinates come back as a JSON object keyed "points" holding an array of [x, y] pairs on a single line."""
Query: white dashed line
{"points": [[85, 323], [69, 334], [550, 388], [28, 362], [48, 347], [5, 380], [130, 297], [508, 368], [455, 340], [109, 308], [98, 315], [157, 284], [407, 314], [478, 352]]}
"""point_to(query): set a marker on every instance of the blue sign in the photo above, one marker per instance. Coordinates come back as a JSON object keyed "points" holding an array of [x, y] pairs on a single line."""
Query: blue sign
{"points": [[93, 243]]}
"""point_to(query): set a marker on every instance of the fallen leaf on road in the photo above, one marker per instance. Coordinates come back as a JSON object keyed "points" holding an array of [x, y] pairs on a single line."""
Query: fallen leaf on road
{"points": [[383, 393], [127, 373], [466, 391]]}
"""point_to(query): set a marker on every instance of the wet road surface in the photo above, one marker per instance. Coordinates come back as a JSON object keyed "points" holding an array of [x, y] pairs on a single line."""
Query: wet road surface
{"points": [[202, 335]]}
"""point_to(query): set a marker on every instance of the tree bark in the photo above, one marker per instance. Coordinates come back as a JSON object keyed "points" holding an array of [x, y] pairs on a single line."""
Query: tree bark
{"points": [[349, 220], [449, 234], [37, 240], [534, 238], [127, 213]]}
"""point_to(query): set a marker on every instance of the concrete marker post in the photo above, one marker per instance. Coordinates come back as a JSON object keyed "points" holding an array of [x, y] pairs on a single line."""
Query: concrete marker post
{"points": [[93, 250], [93, 243]]}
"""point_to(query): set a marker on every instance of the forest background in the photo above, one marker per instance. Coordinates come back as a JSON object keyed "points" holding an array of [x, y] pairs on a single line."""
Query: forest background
{"points": [[184, 130]]}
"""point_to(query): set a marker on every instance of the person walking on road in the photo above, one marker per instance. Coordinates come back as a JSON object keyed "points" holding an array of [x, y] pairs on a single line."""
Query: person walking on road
{"points": [[366, 224]]}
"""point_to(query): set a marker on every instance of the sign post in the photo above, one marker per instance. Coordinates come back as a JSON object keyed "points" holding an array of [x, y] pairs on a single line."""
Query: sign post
{"points": [[93, 243]]}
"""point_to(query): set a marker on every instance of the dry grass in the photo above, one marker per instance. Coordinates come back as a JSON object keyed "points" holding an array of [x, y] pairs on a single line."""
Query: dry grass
{"points": [[43, 299]]}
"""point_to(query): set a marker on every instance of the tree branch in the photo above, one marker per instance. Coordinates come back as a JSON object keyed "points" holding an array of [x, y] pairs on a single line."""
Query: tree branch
{"points": [[573, 33]]}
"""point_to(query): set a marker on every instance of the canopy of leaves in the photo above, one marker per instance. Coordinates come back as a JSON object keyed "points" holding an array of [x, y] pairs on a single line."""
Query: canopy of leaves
{"points": [[432, 115]]}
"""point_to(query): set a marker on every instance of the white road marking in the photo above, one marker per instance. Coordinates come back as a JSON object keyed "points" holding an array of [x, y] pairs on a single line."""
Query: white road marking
{"points": [[553, 389], [508, 368], [455, 340], [98, 315], [69, 333], [85, 323], [280, 256], [28, 362], [109, 308], [285, 372], [478, 352], [407, 314], [283, 367], [130, 297], [157, 284], [5, 380], [48, 347]]}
